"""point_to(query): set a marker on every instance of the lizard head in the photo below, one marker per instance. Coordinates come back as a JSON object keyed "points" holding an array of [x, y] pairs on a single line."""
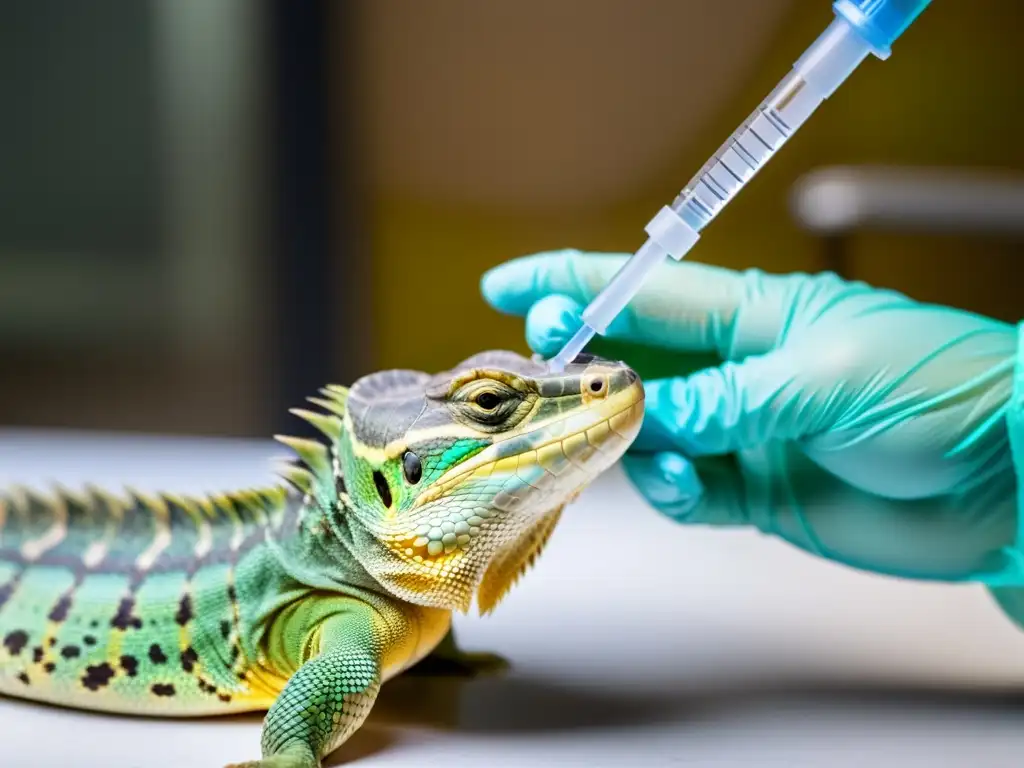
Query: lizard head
{"points": [[447, 486]]}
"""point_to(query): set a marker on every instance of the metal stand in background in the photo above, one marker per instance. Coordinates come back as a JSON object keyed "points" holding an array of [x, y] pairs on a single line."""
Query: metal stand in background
{"points": [[315, 252], [838, 202]]}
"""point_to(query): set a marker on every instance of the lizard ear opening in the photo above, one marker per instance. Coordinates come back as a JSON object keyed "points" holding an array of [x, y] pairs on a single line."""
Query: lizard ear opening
{"points": [[382, 488]]}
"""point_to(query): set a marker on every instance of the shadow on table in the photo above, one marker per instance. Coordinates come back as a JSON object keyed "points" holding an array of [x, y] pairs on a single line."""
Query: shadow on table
{"points": [[513, 704]]}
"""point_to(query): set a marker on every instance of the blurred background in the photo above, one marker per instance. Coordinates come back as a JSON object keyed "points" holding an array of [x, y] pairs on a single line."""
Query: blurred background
{"points": [[209, 208]]}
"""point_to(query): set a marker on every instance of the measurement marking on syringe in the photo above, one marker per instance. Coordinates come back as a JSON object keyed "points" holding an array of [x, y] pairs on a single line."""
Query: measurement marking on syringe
{"points": [[745, 156], [710, 183], [725, 179], [708, 213], [757, 136], [768, 131], [778, 123], [732, 173]]}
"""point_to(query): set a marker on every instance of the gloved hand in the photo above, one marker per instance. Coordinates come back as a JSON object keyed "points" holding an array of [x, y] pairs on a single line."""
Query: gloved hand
{"points": [[853, 422]]}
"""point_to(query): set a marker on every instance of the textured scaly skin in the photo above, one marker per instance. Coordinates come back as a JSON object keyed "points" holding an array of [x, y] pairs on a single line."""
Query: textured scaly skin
{"points": [[303, 598]]}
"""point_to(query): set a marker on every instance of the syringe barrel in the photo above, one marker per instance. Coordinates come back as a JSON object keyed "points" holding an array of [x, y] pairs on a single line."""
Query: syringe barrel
{"points": [[814, 77]]}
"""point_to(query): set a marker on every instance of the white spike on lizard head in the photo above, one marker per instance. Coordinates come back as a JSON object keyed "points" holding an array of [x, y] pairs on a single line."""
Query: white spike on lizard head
{"points": [[447, 486]]}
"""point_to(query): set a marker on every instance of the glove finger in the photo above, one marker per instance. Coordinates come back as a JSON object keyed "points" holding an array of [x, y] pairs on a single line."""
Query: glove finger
{"points": [[683, 306], [732, 407], [555, 318], [551, 322], [687, 492]]}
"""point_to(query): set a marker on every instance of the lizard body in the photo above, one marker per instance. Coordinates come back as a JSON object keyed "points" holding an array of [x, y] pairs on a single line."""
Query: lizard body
{"points": [[303, 598]]}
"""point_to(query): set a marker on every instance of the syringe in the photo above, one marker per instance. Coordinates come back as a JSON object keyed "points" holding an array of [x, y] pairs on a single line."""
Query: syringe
{"points": [[860, 27]]}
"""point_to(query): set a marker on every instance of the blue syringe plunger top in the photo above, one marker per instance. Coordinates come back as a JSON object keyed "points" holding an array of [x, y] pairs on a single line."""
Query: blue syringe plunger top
{"points": [[879, 22], [860, 28]]}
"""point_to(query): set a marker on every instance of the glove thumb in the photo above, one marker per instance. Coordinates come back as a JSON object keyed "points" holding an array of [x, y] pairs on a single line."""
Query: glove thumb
{"points": [[731, 407], [708, 492]]}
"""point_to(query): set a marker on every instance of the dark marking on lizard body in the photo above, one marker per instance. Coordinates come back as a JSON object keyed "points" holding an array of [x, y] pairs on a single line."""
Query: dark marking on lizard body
{"points": [[15, 641], [156, 655], [104, 590], [97, 676]]}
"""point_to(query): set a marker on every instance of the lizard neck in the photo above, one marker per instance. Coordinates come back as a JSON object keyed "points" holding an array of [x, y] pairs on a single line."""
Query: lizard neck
{"points": [[319, 553]]}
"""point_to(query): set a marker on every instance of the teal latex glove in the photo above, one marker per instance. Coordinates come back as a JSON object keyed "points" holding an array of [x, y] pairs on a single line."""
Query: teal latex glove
{"points": [[852, 422]]}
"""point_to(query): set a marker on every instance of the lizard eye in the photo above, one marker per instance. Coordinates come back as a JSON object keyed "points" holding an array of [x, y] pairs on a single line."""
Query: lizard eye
{"points": [[412, 467], [487, 400], [487, 403]]}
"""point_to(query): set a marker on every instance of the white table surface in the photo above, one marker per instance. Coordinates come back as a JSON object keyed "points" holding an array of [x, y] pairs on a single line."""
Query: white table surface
{"points": [[634, 642]]}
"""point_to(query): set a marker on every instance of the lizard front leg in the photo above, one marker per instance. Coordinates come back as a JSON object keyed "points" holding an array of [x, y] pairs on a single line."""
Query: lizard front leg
{"points": [[332, 692]]}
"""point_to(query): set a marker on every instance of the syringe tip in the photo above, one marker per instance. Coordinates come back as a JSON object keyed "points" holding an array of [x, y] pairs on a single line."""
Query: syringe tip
{"points": [[574, 346]]}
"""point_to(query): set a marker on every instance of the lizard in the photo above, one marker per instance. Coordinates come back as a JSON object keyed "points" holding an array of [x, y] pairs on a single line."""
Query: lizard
{"points": [[301, 598]]}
